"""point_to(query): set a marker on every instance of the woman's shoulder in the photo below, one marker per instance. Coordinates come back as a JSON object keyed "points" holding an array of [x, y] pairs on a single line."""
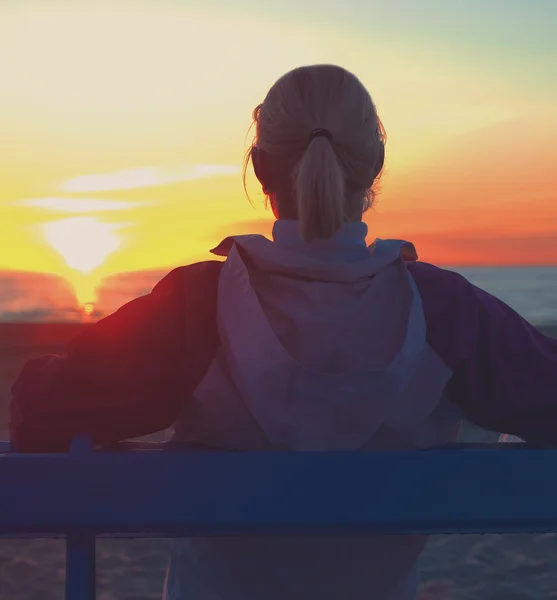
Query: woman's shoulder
{"points": [[450, 308], [199, 276], [441, 280], [442, 289]]}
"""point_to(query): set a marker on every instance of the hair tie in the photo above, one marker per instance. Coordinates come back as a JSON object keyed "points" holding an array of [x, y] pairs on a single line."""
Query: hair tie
{"points": [[321, 132]]}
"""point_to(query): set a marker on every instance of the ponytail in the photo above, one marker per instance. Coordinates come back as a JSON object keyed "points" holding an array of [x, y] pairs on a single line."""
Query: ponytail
{"points": [[319, 190]]}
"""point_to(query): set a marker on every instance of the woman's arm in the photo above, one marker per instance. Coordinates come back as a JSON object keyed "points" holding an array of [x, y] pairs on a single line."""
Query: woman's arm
{"points": [[125, 376], [505, 370]]}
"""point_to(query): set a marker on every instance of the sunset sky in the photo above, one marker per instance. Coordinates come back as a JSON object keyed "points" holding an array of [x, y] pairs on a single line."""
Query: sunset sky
{"points": [[123, 125]]}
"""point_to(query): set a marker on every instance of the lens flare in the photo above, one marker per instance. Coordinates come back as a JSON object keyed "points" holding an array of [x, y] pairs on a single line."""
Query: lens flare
{"points": [[83, 242]]}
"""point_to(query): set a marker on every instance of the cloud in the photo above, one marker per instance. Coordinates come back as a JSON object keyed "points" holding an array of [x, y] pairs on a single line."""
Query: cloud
{"points": [[486, 248], [80, 205], [117, 289], [26, 296], [144, 177]]}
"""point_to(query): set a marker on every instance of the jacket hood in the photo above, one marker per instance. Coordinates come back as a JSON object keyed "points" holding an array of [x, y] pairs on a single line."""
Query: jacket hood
{"points": [[344, 258], [320, 343]]}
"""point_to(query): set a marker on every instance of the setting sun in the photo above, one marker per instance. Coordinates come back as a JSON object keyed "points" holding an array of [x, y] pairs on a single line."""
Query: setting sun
{"points": [[83, 242], [88, 309]]}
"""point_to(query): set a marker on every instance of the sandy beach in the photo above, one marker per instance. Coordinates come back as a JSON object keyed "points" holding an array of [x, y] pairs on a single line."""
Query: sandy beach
{"points": [[514, 567]]}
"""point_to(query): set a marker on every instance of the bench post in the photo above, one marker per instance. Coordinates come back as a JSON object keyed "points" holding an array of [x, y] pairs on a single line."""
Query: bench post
{"points": [[80, 567]]}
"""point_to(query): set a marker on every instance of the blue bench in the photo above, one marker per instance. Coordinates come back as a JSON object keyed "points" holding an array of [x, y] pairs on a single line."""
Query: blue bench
{"points": [[144, 490]]}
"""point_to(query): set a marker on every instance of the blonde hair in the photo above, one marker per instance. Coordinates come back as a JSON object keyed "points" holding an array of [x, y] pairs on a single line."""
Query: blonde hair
{"points": [[322, 182]]}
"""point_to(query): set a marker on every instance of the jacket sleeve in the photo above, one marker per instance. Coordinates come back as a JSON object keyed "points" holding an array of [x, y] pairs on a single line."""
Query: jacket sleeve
{"points": [[505, 370], [123, 377]]}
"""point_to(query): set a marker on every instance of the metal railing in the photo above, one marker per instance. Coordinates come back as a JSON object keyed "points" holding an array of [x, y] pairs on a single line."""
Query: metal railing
{"points": [[138, 490]]}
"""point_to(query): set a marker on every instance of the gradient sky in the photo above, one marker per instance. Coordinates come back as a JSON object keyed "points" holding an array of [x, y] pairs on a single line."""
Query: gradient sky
{"points": [[123, 125]]}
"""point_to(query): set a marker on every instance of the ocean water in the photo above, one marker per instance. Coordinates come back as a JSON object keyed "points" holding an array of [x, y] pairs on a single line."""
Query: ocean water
{"points": [[531, 291]]}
